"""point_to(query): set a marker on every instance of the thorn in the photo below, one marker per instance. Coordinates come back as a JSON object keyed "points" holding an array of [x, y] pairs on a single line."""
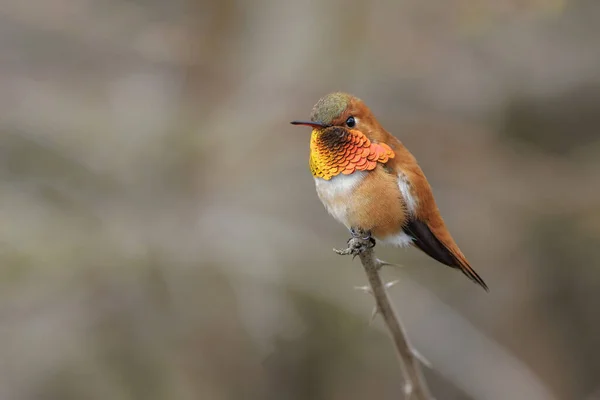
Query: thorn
{"points": [[373, 315], [408, 388], [380, 264], [421, 358], [390, 284], [366, 289]]}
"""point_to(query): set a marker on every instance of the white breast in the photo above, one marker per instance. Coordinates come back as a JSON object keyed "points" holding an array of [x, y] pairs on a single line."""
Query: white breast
{"points": [[336, 193]]}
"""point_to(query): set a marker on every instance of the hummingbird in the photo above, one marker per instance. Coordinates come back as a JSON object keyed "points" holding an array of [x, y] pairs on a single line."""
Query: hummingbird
{"points": [[369, 181]]}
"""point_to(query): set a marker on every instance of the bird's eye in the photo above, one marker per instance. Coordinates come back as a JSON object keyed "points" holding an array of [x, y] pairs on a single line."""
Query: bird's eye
{"points": [[350, 122]]}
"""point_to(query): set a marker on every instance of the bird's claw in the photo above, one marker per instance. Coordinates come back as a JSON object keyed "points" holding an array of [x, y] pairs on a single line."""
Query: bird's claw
{"points": [[372, 242], [361, 234], [358, 243]]}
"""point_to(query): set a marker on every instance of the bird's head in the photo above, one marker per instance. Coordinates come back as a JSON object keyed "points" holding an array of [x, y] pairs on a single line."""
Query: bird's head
{"points": [[342, 110], [345, 136]]}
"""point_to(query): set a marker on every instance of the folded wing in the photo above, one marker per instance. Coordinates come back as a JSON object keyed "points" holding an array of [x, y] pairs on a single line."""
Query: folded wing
{"points": [[448, 254]]}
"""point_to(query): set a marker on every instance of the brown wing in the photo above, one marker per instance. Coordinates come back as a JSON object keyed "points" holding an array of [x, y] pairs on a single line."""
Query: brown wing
{"points": [[426, 226], [429, 243]]}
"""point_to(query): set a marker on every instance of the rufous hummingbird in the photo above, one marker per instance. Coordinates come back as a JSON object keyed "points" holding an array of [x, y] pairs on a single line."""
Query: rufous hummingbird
{"points": [[369, 181]]}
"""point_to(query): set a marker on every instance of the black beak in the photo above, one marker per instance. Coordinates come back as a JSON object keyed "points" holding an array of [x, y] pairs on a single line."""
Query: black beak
{"points": [[309, 123]]}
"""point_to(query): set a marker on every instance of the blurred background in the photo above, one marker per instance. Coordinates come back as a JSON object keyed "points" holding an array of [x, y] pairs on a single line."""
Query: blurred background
{"points": [[160, 236]]}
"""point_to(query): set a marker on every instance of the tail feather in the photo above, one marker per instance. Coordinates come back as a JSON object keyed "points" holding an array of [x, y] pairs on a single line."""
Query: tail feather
{"points": [[440, 248], [474, 276]]}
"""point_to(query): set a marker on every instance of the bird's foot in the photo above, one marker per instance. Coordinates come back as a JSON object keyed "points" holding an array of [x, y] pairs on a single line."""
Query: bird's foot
{"points": [[364, 235], [358, 243]]}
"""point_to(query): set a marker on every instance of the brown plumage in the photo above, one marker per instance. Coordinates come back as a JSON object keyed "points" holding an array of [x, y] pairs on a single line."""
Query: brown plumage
{"points": [[388, 195]]}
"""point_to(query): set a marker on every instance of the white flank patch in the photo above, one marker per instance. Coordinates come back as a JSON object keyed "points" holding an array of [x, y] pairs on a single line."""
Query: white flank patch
{"points": [[409, 199], [400, 240], [335, 194]]}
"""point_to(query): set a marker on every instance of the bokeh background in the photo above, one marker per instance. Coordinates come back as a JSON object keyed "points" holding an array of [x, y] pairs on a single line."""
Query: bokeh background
{"points": [[160, 237]]}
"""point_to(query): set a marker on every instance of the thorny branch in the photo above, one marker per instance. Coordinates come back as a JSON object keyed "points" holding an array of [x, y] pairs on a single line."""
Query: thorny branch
{"points": [[415, 386]]}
